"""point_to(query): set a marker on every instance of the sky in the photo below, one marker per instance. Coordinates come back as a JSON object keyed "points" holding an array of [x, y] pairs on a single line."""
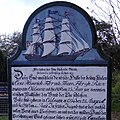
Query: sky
{"points": [[14, 13]]}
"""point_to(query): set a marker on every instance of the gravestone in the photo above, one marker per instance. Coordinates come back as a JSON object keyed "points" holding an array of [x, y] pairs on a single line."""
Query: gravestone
{"points": [[59, 73]]}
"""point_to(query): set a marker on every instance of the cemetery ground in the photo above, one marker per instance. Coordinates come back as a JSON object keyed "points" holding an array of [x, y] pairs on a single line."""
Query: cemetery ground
{"points": [[116, 96], [3, 118]]}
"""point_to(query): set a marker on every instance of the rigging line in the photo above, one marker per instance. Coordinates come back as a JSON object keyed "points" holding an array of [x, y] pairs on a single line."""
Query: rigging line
{"points": [[29, 49], [75, 28], [55, 27], [52, 38], [61, 15], [55, 44], [76, 38], [42, 32], [57, 47], [53, 33], [68, 46], [55, 19], [71, 48], [40, 35], [40, 39], [58, 26], [37, 44], [72, 37], [76, 34], [80, 38], [40, 23], [42, 20], [76, 43]]}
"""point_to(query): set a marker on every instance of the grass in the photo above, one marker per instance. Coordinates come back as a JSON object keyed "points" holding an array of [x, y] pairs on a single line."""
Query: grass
{"points": [[116, 92], [3, 117]]}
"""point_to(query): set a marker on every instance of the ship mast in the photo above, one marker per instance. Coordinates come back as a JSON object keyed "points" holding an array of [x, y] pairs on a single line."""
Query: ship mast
{"points": [[49, 37], [65, 45], [36, 33], [36, 36], [37, 40]]}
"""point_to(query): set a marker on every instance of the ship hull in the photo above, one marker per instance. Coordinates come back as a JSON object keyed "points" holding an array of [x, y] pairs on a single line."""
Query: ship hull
{"points": [[56, 58], [50, 58]]}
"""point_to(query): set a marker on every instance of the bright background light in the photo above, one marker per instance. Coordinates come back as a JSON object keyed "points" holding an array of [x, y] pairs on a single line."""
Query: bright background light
{"points": [[14, 13]]}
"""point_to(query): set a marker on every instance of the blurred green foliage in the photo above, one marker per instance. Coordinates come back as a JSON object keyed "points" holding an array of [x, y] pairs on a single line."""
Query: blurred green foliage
{"points": [[116, 91]]}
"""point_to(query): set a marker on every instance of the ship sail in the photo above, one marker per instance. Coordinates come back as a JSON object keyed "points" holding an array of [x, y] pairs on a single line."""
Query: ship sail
{"points": [[36, 34], [36, 39], [50, 45], [30, 50], [80, 45], [85, 44], [49, 37], [65, 45], [77, 45]]}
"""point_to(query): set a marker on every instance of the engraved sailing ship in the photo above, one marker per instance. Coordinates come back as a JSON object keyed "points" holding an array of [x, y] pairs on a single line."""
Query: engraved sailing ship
{"points": [[47, 45]]}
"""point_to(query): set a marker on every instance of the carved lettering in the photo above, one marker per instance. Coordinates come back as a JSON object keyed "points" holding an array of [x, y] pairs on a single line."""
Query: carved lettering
{"points": [[59, 93]]}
